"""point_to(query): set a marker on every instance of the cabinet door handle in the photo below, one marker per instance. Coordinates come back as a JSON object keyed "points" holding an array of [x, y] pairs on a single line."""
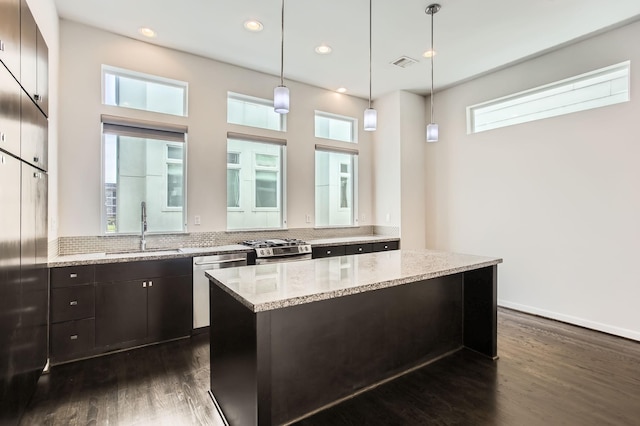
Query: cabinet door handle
{"points": [[359, 248], [150, 283], [73, 275], [73, 303], [1, 46], [36, 160], [386, 247], [73, 337], [328, 251], [2, 137], [144, 284], [37, 97]]}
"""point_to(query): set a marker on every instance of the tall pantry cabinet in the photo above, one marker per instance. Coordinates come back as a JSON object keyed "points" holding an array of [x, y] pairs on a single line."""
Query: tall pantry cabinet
{"points": [[23, 207]]}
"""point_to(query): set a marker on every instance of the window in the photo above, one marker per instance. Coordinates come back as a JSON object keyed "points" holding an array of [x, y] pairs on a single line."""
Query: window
{"points": [[336, 187], [254, 112], [233, 180], [606, 86], [255, 182], [130, 89], [336, 127], [143, 162]]}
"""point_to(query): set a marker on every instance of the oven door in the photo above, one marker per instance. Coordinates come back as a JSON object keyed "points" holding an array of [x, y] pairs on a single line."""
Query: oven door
{"points": [[280, 259]]}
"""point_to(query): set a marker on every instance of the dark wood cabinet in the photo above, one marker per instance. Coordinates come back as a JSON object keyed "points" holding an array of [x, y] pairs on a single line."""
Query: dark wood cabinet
{"points": [[10, 35], [345, 249], [328, 251], [33, 60], [100, 308], [10, 113], [121, 312]]}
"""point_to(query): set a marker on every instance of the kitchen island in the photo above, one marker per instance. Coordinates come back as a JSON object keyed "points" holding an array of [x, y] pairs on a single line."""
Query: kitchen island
{"points": [[288, 339]]}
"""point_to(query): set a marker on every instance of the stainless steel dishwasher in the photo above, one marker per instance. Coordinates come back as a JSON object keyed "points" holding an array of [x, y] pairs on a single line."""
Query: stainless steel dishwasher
{"points": [[201, 282]]}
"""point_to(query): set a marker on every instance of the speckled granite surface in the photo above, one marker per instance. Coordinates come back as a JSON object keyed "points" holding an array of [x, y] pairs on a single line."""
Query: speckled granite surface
{"points": [[99, 258], [273, 286]]}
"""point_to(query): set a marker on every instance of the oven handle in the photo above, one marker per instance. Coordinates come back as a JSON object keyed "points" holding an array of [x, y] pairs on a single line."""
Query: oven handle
{"points": [[217, 262]]}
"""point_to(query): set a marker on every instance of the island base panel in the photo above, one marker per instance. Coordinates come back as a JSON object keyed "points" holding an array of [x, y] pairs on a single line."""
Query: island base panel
{"points": [[481, 310], [273, 367]]}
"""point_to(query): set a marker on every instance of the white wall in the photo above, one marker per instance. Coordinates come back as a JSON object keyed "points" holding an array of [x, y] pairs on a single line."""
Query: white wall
{"points": [[46, 16], [85, 49], [558, 199]]}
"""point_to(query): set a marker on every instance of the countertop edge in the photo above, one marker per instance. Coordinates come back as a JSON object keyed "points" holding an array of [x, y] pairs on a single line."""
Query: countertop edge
{"points": [[300, 300]]}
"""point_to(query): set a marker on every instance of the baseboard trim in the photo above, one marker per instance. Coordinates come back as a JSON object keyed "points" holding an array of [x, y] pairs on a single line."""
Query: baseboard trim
{"points": [[605, 328]]}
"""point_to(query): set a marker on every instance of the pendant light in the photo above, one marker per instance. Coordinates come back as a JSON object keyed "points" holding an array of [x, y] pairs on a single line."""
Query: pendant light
{"points": [[281, 92], [432, 128], [370, 114]]}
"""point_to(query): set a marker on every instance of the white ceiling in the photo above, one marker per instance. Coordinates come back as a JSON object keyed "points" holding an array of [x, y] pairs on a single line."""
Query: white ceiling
{"points": [[471, 37]]}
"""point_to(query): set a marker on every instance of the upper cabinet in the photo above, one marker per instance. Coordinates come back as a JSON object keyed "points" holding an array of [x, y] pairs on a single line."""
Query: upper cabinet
{"points": [[10, 113], [10, 35], [34, 55]]}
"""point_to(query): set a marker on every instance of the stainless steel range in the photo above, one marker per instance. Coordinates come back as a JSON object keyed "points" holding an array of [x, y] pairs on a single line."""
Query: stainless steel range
{"points": [[279, 250]]}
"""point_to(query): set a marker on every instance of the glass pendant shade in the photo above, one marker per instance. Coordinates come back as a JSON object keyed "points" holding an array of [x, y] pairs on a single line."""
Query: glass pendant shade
{"points": [[432, 132], [370, 119], [281, 99]]}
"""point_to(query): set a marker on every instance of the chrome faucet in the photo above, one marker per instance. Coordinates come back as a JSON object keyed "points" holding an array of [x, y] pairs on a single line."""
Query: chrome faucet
{"points": [[143, 241]]}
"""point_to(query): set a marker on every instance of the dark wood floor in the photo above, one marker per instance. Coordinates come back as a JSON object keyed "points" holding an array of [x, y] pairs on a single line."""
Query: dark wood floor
{"points": [[548, 373]]}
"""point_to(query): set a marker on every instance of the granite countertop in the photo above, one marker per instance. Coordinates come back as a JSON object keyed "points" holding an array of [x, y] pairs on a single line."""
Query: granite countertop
{"points": [[156, 254], [151, 254], [278, 285]]}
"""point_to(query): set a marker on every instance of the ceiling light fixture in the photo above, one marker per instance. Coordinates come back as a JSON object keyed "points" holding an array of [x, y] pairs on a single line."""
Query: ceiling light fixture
{"points": [[341, 90], [323, 49], [429, 53], [432, 128], [147, 32], [253, 25], [281, 93], [370, 114]]}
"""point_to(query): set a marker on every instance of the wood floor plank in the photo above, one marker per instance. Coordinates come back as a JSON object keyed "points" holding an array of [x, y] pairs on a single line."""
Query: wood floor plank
{"points": [[549, 373]]}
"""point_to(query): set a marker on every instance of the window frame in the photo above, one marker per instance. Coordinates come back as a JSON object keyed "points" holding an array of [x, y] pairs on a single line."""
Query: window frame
{"points": [[154, 130], [354, 185], [150, 78], [168, 161], [571, 85], [331, 116], [235, 166], [282, 118]]}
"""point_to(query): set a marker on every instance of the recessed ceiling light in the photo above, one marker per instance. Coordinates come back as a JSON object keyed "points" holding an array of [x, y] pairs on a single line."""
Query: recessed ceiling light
{"points": [[253, 25], [147, 32], [323, 49], [429, 53], [341, 90]]}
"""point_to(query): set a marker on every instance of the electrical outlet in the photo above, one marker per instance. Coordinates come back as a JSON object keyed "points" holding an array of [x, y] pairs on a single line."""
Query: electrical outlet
{"points": [[196, 220], [308, 218]]}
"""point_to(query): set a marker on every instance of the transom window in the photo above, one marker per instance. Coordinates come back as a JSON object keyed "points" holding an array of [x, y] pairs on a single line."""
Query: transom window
{"points": [[606, 86], [336, 127], [254, 112], [130, 89]]}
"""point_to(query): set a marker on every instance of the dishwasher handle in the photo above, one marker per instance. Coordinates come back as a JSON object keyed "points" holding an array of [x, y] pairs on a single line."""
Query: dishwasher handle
{"points": [[218, 262]]}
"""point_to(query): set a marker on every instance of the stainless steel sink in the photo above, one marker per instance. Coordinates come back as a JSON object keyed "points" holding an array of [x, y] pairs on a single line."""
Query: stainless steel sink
{"points": [[147, 251]]}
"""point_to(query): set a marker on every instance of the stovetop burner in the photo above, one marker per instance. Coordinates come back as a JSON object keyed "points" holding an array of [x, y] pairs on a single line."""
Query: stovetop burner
{"points": [[274, 242]]}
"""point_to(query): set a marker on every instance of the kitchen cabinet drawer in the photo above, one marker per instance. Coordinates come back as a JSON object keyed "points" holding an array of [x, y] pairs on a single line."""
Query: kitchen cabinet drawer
{"points": [[359, 248], [72, 339], [10, 113], [72, 303], [71, 276], [389, 245], [328, 251], [143, 270]]}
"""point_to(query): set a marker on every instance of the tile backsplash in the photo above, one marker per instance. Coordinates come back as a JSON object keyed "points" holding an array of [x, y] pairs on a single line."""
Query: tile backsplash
{"points": [[115, 243]]}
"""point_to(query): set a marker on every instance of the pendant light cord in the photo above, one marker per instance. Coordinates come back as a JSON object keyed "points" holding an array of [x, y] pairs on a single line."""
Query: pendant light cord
{"points": [[282, 47], [433, 12], [370, 54]]}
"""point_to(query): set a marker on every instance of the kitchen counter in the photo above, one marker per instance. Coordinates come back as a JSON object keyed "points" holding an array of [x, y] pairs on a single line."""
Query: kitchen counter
{"points": [[289, 339], [155, 254], [266, 287]]}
